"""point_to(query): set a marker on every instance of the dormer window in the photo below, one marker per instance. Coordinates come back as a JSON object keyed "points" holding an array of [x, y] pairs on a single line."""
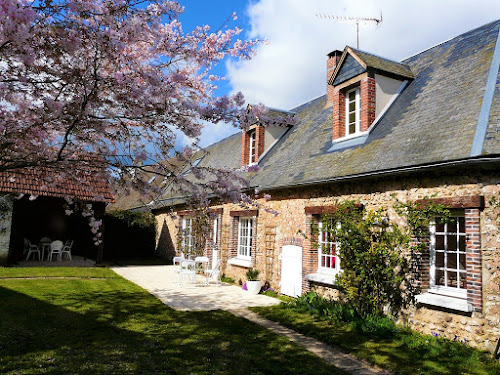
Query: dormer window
{"points": [[252, 152], [353, 112], [361, 88]]}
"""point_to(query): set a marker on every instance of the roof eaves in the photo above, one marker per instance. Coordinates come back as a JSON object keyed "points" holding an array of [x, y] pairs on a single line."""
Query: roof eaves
{"points": [[388, 172]]}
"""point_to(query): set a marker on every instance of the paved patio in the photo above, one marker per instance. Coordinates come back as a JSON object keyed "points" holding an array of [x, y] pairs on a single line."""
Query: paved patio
{"points": [[161, 281]]}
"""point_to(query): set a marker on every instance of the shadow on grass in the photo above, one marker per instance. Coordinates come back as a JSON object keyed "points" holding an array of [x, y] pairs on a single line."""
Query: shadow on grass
{"points": [[404, 353], [112, 327]]}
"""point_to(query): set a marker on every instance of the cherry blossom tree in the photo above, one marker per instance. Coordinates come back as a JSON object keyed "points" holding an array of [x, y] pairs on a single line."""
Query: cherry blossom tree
{"points": [[103, 86]]}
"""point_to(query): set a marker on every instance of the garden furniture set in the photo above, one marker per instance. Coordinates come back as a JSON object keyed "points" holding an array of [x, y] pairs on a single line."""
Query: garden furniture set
{"points": [[187, 267], [53, 248]]}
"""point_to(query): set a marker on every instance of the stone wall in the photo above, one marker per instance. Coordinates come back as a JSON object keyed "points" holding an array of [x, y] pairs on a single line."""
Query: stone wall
{"points": [[480, 328], [6, 205]]}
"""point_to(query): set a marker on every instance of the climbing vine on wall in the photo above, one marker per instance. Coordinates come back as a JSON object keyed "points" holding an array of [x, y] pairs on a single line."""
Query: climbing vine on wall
{"points": [[379, 259]]}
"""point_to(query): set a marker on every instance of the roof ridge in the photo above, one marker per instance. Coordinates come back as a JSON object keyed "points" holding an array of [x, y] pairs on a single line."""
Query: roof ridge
{"points": [[450, 39], [377, 56]]}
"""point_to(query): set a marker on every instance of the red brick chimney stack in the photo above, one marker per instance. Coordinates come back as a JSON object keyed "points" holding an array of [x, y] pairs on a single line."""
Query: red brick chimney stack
{"points": [[331, 64]]}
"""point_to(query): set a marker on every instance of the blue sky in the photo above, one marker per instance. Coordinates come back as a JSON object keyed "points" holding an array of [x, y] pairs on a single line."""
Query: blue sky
{"points": [[214, 13], [290, 69]]}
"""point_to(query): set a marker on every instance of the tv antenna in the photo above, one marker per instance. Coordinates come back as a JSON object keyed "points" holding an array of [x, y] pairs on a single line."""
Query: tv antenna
{"points": [[356, 20]]}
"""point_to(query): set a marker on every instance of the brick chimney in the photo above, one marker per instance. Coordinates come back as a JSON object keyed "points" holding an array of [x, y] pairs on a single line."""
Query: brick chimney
{"points": [[331, 64]]}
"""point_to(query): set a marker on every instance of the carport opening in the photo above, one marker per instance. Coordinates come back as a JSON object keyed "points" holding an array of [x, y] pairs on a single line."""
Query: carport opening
{"points": [[46, 217]]}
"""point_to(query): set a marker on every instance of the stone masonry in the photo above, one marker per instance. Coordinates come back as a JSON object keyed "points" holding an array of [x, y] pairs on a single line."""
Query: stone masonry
{"points": [[479, 328]]}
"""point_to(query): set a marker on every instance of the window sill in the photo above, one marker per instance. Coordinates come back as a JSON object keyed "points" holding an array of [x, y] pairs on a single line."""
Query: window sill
{"points": [[349, 141], [240, 262], [322, 277], [439, 300]]}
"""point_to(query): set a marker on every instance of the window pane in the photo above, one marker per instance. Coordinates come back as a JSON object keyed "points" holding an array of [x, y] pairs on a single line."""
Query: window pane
{"points": [[462, 261], [452, 279], [352, 118], [352, 95], [439, 242], [461, 243], [452, 242], [352, 106], [439, 226], [439, 277], [461, 224], [463, 280], [452, 260], [439, 259], [352, 128]]}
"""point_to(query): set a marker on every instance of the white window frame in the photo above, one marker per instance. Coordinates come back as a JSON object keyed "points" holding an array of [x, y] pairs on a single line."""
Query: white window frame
{"points": [[187, 235], [245, 238], [252, 152], [333, 270], [451, 291], [357, 112]]}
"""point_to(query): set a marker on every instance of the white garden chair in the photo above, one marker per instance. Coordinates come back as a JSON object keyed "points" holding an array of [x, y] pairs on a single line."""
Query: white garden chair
{"points": [[214, 273], [67, 249], [177, 260], [32, 249], [56, 248], [187, 268]]}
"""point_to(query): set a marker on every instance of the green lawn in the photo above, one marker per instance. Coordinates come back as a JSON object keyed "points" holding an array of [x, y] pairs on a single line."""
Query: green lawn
{"points": [[405, 353], [95, 322]]}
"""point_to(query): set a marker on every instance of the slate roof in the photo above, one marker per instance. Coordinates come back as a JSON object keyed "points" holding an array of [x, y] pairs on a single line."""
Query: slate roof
{"points": [[434, 120], [381, 63], [223, 154]]}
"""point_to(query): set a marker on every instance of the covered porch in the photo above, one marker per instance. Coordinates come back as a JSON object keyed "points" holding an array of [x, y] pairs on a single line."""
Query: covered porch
{"points": [[45, 217]]}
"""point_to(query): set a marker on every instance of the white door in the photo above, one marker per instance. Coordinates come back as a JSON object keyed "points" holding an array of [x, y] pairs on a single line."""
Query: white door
{"points": [[291, 270]]}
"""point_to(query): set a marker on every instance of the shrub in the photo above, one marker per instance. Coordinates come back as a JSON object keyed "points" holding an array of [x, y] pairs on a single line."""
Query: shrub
{"points": [[332, 310], [253, 274], [376, 325], [226, 279], [343, 312], [370, 251]]}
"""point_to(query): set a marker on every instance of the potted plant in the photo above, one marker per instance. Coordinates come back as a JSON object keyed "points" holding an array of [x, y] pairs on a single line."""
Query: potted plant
{"points": [[253, 282]]}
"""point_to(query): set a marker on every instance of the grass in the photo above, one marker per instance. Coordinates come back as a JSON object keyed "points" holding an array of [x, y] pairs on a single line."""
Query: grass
{"points": [[98, 323], [36, 272], [406, 352]]}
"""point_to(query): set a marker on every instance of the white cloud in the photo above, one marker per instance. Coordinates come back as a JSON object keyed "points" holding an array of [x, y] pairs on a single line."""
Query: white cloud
{"points": [[291, 69], [211, 133]]}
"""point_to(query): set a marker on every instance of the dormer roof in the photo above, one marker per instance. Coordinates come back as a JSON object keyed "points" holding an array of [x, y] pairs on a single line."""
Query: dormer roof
{"points": [[354, 62], [448, 116]]}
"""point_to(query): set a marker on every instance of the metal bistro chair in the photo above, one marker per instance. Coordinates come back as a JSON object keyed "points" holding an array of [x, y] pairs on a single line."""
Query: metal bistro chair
{"points": [[176, 261], [31, 249], [56, 248], [187, 269], [214, 273], [67, 249]]}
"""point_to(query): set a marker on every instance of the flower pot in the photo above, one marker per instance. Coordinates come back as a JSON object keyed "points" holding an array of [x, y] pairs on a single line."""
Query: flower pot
{"points": [[254, 286]]}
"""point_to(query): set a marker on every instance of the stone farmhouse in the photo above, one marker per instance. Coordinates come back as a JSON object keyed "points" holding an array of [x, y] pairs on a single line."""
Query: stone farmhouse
{"points": [[428, 126]]}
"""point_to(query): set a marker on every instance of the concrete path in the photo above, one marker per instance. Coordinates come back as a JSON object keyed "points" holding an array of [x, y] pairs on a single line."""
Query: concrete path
{"points": [[161, 281], [330, 354]]}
